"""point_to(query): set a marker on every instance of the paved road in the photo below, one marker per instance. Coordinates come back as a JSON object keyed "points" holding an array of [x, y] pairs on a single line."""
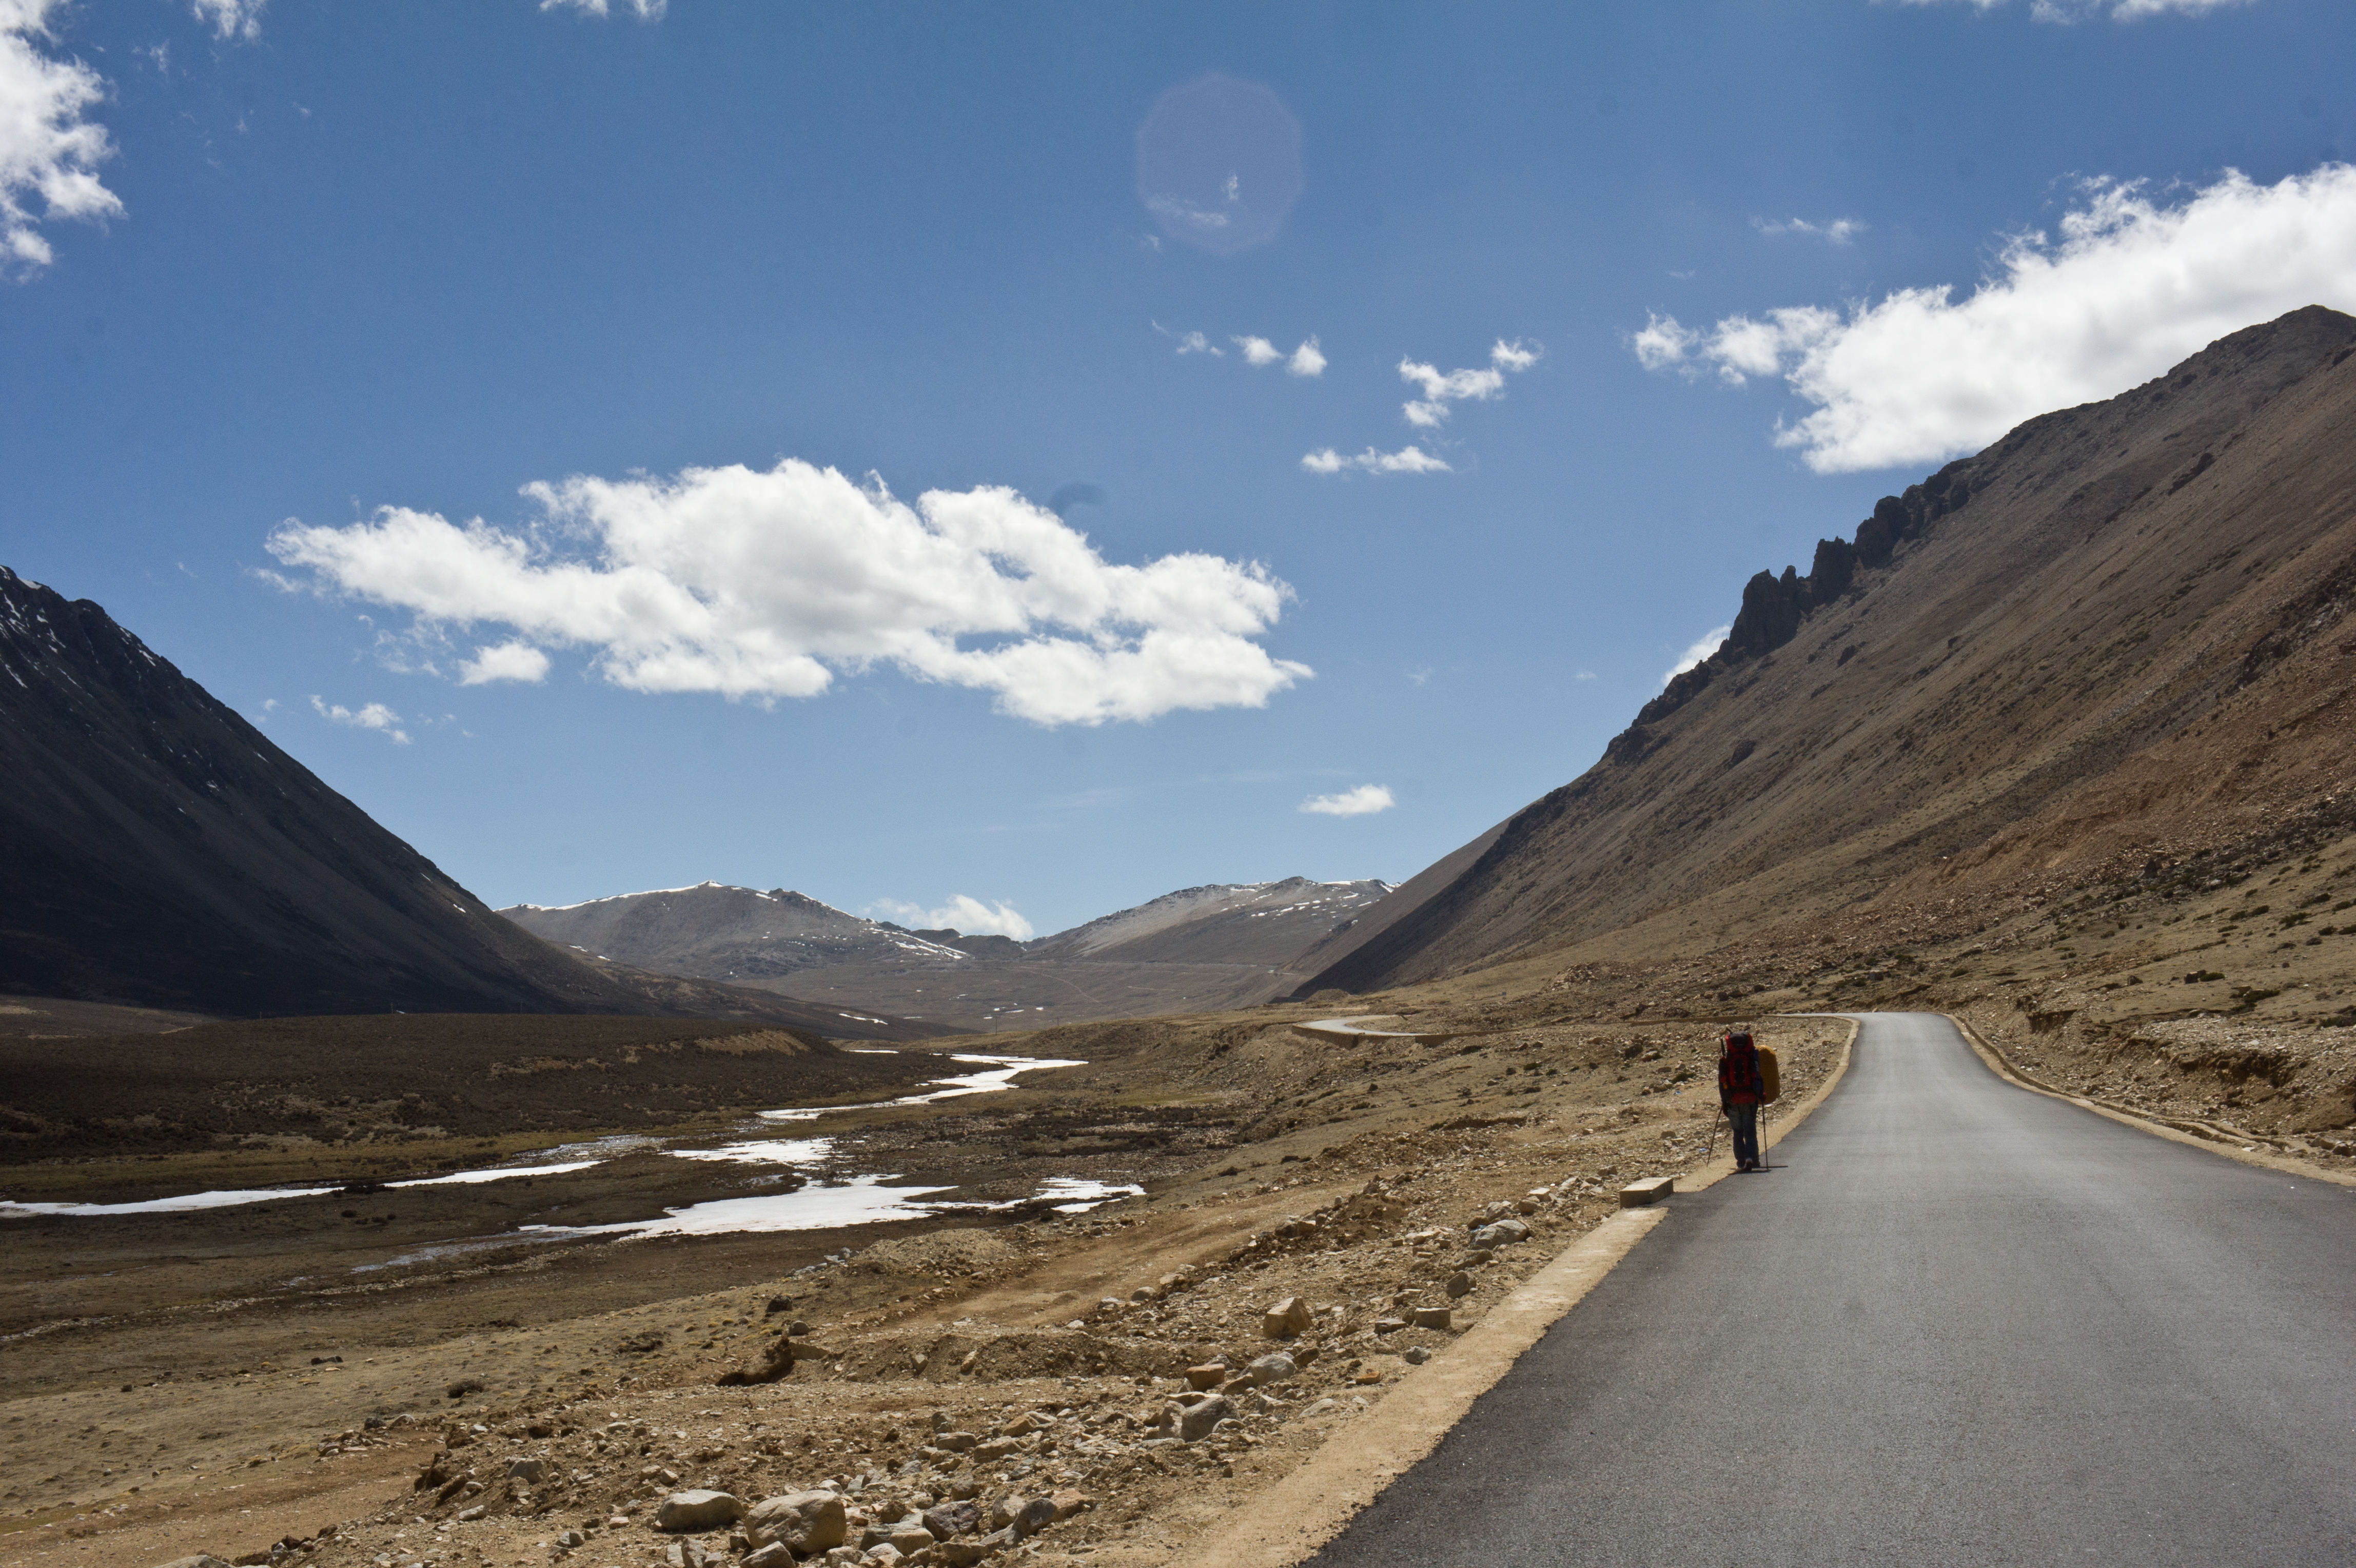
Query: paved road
{"points": [[1963, 1324]]}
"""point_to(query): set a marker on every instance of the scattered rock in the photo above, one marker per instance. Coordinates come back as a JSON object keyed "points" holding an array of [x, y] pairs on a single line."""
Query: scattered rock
{"points": [[1068, 1502], [947, 1521], [776, 1554], [1288, 1317], [529, 1471], [698, 1511], [1268, 1370], [1459, 1284], [805, 1521], [201, 1559], [1501, 1233], [1432, 1317], [1390, 1324], [774, 1360], [1195, 1424], [1208, 1377], [463, 1387], [1415, 1355], [1035, 1516]]}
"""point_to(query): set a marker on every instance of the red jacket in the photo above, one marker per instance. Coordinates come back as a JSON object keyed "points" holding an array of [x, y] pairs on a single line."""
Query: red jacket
{"points": [[1740, 1081]]}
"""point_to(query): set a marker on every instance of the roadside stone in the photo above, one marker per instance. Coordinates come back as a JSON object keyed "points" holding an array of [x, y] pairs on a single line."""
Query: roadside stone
{"points": [[1415, 1355], [1431, 1316], [1195, 1422], [1288, 1317], [955, 1442], [805, 1522], [948, 1519], [997, 1448], [470, 1515], [1501, 1234], [1275, 1368], [530, 1472], [1459, 1284], [909, 1538], [774, 1555], [1037, 1515], [1390, 1324], [883, 1555], [687, 1512], [1323, 1407], [1206, 1376], [1068, 1502]]}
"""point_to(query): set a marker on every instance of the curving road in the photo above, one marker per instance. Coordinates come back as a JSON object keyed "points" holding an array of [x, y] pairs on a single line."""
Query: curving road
{"points": [[1960, 1324]]}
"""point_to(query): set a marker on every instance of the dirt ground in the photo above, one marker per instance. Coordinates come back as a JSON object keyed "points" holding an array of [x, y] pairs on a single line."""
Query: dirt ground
{"points": [[230, 1383]]}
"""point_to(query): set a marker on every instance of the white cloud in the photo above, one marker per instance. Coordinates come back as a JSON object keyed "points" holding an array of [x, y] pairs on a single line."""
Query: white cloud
{"points": [[1703, 646], [1306, 360], [761, 584], [1258, 350], [2130, 288], [646, 10], [374, 716], [1457, 386], [1589, 674], [1257, 353], [1839, 232], [48, 150], [970, 916], [1362, 802], [2069, 11], [1193, 342], [234, 18], [514, 660], [1406, 460]]}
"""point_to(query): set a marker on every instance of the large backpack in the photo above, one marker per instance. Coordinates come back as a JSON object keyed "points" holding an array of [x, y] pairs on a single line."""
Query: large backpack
{"points": [[1770, 1075]]}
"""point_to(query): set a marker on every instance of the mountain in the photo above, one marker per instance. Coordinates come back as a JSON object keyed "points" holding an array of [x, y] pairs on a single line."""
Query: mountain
{"points": [[2116, 633], [158, 850], [1227, 945]]}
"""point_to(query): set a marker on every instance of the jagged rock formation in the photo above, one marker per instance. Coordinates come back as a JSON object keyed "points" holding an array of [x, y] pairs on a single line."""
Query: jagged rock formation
{"points": [[2017, 658], [157, 849]]}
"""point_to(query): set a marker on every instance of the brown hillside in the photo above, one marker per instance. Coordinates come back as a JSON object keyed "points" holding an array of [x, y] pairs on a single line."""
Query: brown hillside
{"points": [[2116, 634]]}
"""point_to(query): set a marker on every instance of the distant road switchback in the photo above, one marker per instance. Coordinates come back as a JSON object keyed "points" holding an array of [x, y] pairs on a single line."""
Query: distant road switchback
{"points": [[1960, 1324]]}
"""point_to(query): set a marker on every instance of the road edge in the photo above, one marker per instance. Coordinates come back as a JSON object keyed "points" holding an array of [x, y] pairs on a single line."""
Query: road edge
{"points": [[2001, 1065], [1301, 1513]]}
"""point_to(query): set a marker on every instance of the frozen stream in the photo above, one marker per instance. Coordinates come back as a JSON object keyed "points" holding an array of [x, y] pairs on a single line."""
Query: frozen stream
{"points": [[814, 1206]]}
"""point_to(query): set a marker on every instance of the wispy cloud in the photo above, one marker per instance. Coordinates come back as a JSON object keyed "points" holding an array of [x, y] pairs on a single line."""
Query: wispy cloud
{"points": [[1441, 389], [1703, 646], [513, 661], [2131, 287], [1305, 360], [239, 19], [1406, 460], [1362, 802], [1839, 232], [374, 715], [762, 583], [646, 10], [2069, 11], [49, 153], [967, 915]]}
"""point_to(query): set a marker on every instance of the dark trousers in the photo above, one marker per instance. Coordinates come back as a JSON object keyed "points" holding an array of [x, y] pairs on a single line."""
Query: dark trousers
{"points": [[1746, 1133]]}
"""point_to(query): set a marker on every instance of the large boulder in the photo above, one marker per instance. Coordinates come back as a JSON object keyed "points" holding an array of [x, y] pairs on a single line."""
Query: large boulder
{"points": [[805, 1521], [696, 1512]]}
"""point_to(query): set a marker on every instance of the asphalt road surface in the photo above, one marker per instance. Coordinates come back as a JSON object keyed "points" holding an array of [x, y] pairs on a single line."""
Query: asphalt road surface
{"points": [[1960, 1324]]}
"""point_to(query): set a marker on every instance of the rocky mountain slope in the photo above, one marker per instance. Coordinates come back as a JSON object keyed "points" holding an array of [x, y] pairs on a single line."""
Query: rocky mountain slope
{"points": [[2113, 639], [1223, 945], [157, 849]]}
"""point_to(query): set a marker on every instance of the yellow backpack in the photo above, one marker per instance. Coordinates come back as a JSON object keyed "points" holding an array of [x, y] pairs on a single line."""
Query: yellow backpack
{"points": [[1770, 1074]]}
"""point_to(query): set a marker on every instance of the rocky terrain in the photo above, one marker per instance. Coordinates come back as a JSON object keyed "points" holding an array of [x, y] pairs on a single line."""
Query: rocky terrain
{"points": [[1050, 1362], [1226, 945]]}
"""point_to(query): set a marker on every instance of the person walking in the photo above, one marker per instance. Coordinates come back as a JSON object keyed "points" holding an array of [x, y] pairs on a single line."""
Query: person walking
{"points": [[1741, 1087]]}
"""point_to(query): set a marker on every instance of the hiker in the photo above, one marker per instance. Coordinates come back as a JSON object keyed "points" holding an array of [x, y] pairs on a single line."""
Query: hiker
{"points": [[1741, 1089]]}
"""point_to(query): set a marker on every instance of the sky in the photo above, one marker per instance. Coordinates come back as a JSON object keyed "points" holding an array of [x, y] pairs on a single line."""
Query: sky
{"points": [[992, 465]]}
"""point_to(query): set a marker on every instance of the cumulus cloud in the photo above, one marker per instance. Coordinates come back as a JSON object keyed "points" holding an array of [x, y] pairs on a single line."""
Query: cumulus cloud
{"points": [[1258, 350], [2131, 287], [2068, 11], [646, 10], [1441, 389], [968, 917], [1362, 802], [1406, 460], [48, 154], [234, 18], [761, 584], [1305, 360], [1703, 646], [513, 661], [1193, 342], [1839, 232], [374, 715]]}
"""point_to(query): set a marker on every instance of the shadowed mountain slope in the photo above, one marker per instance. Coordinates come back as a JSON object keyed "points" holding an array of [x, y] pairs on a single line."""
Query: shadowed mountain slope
{"points": [[157, 849], [2050, 653]]}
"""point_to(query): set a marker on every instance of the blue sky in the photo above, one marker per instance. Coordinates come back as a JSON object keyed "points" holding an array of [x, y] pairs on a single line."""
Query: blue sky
{"points": [[297, 291]]}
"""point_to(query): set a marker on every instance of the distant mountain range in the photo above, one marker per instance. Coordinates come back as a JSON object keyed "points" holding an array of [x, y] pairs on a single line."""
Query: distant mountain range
{"points": [[2114, 639], [1229, 945], [158, 850]]}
